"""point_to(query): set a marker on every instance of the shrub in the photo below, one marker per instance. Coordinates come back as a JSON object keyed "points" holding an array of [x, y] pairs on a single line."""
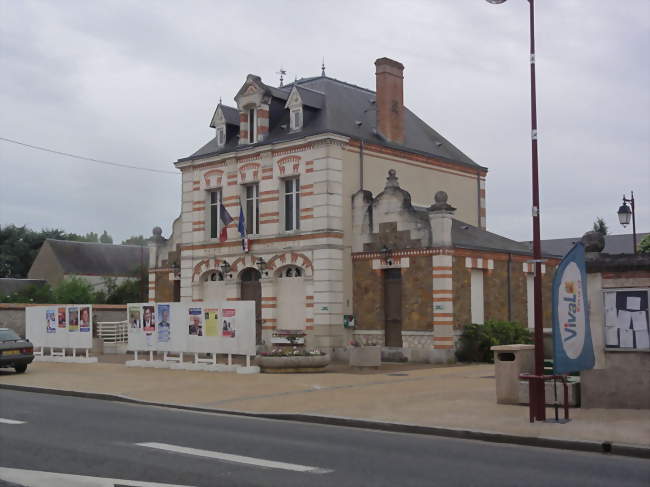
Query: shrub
{"points": [[476, 340]]}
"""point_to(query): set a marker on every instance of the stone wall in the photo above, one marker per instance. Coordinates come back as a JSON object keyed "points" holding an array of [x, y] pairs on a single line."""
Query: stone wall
{"points": [[368, 296], [495, 291], [462, 293], [416, 295]]}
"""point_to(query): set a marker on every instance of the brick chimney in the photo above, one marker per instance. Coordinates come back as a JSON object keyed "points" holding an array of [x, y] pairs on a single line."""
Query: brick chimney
{"points": [[390, 99]]}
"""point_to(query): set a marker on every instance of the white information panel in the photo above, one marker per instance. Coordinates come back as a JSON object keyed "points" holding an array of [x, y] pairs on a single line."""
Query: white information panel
{"points": [[69, 326], [193, 327]]}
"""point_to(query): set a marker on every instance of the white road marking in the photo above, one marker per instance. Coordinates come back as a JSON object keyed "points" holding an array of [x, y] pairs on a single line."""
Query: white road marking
{"points": [[11, 421], [37, 478], [258, 462]]}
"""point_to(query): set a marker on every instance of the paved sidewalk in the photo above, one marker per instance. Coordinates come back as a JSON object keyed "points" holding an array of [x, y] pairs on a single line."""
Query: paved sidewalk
{"points": [[459, 397]]}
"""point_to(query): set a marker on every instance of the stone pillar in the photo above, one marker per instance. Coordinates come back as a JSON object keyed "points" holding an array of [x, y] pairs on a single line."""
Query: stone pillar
{"points": [[440, 217]]}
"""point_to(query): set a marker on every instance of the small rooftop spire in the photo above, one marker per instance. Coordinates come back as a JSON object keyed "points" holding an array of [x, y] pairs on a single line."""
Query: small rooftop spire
{"points": [[322, 67], [219, 100]]}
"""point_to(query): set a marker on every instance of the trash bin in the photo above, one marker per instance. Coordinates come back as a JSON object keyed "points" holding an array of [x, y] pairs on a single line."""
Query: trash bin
{"points": [[509, 362]]}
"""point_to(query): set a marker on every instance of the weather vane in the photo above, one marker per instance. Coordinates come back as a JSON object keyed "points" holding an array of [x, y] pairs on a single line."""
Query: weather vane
{"points": [[322, 67], [282, 74]]}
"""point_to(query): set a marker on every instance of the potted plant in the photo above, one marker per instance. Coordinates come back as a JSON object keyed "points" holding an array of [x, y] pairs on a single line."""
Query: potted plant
{"points": [[365, 353]]}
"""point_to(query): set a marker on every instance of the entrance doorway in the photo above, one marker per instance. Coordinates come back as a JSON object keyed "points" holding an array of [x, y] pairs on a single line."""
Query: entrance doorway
{"points": [[393, 307], [251, 290]]}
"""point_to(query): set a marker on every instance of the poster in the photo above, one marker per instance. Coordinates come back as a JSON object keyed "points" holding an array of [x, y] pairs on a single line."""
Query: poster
{"points": [[572, 346], [148, 320], [50, 320], [164, 329], [73, 319], [228, 322], [211, 322], [84, 319], [60, 320], [134, 317], [195, 322]]}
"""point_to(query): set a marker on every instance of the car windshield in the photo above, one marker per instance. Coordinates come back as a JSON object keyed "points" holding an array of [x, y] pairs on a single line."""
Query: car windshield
{"points": [[6, 335]]}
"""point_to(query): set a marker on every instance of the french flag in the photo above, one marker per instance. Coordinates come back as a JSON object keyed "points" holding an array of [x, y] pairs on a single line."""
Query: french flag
{"points": [[241, 226], [225, 221]]}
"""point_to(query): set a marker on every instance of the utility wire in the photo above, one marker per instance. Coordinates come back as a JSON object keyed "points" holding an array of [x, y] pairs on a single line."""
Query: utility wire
{"points": [[98, 161]]}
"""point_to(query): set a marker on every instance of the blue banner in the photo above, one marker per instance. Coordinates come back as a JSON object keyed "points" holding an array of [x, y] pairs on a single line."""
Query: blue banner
{"points": [[572, 346]]}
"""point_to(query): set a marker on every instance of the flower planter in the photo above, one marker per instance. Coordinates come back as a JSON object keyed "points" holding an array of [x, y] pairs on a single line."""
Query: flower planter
{"points": [[365, 357], [288, 365]]}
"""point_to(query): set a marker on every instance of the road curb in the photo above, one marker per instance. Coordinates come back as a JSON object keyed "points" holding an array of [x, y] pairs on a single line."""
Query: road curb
{"points": [[466, 434]]}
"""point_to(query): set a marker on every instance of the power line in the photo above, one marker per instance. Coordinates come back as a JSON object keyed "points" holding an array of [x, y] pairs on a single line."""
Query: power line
{"points": [[97, 161]]}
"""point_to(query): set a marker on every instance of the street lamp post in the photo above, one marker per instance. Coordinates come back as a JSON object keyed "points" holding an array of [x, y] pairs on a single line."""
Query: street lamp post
{"points": [[537, 401], [624, 214]]}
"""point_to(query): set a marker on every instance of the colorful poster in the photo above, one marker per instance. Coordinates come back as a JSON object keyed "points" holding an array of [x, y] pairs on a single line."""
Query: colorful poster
{"points": [[50, 320], [228, 322], [196, 322], [211, 322], [61, 321], [572, 346], [73, 319], [164, 330], [148, 320], [84, 319], [134, 317]]}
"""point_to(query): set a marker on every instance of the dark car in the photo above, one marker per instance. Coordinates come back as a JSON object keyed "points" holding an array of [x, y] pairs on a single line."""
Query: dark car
{"points": [[15, 351]]}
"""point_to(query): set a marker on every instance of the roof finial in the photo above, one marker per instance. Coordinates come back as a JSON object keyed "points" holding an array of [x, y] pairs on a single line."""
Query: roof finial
{"points": [[282, 72], [322, 67], [219, 100]]}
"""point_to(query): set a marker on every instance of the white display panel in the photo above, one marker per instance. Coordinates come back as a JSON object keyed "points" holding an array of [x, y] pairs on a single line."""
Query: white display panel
{"points": [[67, 326], [193, 327]]}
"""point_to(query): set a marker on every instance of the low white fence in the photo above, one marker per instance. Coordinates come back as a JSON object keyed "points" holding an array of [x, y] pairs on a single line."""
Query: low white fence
{"points": [[113, 332]]}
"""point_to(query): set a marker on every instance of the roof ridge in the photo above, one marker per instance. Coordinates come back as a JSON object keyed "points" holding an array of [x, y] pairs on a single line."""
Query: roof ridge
{"points": [[314, 78], [310, 89], [92, 243]]}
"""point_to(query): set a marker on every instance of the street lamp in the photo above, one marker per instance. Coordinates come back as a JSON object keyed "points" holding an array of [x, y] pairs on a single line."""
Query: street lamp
{"points": [[625, 213], [537, 400]]}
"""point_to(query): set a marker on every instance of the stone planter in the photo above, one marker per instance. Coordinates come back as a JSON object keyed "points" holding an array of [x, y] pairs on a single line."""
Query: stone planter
{"points": [[288, 365], [365, 357]]}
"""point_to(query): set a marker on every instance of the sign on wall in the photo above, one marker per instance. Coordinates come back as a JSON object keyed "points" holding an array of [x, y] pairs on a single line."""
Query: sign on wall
{"points": [[626, 319], [59, 326], [572, 346]]}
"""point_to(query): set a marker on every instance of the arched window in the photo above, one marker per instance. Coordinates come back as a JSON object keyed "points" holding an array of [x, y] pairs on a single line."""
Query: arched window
{"points": [[213, 276], [250, 274], [290, 271]]}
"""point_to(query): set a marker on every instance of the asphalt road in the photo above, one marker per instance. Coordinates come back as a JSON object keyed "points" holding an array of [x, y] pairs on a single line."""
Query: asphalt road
{"points": [[98, 438]]}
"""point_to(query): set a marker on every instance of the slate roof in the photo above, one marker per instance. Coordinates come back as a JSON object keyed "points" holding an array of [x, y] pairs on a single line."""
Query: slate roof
{"points": [[342, 105], [87, 258], [468, 236], [614, 244]]}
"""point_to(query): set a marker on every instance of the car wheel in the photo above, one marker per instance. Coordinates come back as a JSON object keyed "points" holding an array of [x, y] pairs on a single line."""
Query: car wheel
{"points": [[20, 368]]}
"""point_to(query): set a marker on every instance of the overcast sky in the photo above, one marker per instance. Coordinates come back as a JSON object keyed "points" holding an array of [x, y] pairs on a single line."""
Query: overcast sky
{"points": [[137, 82]]}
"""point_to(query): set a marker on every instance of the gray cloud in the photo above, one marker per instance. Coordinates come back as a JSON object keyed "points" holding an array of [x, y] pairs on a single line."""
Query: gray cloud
{"points": [[138, 81]]}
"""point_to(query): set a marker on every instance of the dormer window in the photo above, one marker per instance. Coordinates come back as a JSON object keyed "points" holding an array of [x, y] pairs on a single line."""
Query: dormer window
{"points": [[221, 135], [296, 118], [251, 126]]}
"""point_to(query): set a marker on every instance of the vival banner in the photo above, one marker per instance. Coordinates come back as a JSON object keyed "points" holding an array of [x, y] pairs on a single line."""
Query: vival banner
{"points": [[572, 346]]}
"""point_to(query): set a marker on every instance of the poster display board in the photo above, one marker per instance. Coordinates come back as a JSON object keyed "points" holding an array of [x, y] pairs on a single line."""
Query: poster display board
{"points": [[193, 327], [60, 326], [627, 323]]}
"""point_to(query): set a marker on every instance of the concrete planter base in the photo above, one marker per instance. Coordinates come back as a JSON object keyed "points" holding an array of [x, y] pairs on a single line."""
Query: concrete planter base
{"points": [[288, 365], [365, 357]]}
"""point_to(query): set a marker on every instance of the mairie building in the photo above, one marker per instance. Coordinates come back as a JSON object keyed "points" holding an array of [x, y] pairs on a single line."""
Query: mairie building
{"points": [[300, 163]]}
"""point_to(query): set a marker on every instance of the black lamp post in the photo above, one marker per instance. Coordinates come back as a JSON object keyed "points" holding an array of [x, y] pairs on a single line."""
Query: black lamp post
{"points": [[625, 213], [537, 401], [261, 264], [225, 267]]}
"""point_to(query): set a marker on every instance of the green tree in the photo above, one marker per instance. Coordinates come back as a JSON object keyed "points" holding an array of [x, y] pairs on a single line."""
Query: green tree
{"points": [[644, 245], [106, 238], [600, 226], [90, 237], [74, 290], [19, 246], [136, 240]]}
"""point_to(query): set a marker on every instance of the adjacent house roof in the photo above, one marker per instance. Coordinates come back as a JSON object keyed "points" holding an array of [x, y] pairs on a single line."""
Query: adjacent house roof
{"points": [[9, 285], [86, 258], [614, 244], [335, 106], [470, 237]]}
